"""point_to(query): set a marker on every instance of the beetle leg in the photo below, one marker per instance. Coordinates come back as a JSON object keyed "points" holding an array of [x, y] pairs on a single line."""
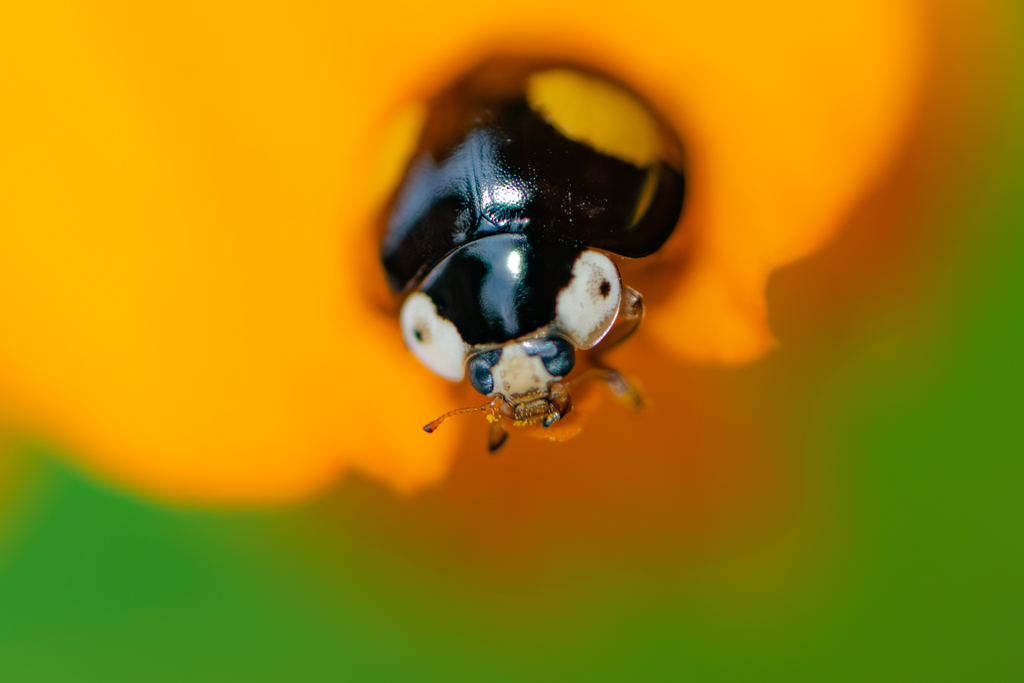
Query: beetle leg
{"points": [[622, 388], [497, 435], [631, 314], [615, 381]]}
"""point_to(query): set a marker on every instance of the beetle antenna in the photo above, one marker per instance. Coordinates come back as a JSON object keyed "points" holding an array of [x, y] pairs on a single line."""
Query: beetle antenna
{"points": [[432, 427]]}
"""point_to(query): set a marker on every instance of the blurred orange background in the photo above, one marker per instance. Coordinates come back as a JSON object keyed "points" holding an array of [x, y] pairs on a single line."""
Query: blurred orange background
{"points": [[195, 182]]}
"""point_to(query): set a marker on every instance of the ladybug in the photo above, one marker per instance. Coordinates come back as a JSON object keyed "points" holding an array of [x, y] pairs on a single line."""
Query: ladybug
{"points": [[529, 181]]}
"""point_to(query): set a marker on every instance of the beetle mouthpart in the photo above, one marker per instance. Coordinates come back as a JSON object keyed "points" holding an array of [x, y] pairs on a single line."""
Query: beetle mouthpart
{"points": [[545, 410], [561, 404]]}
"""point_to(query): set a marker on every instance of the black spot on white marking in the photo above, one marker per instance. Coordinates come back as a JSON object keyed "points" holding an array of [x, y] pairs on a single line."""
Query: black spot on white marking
{"points": [[605, 289]]}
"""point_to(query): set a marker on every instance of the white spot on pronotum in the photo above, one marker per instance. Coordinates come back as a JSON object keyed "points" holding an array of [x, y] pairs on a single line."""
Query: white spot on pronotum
{"points": [[433, 340], [586, 309]]}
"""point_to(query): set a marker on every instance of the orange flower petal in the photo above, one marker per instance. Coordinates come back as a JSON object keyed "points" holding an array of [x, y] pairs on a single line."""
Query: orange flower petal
{"points": [[184, 234], [792, 125], [178, 301]]}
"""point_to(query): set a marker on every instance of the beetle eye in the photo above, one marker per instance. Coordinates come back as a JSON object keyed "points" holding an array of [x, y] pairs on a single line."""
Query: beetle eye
{"points": [[479, 369], [432, 339], [586, 309], [557, 354]]}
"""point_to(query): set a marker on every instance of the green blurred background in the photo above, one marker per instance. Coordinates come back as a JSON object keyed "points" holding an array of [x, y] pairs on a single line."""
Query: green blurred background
{"points": [[894, 406]]}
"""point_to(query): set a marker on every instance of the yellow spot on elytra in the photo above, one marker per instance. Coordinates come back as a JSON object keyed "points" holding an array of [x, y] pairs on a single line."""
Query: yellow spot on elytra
{"points": [[646, 195], [596, 112]]}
